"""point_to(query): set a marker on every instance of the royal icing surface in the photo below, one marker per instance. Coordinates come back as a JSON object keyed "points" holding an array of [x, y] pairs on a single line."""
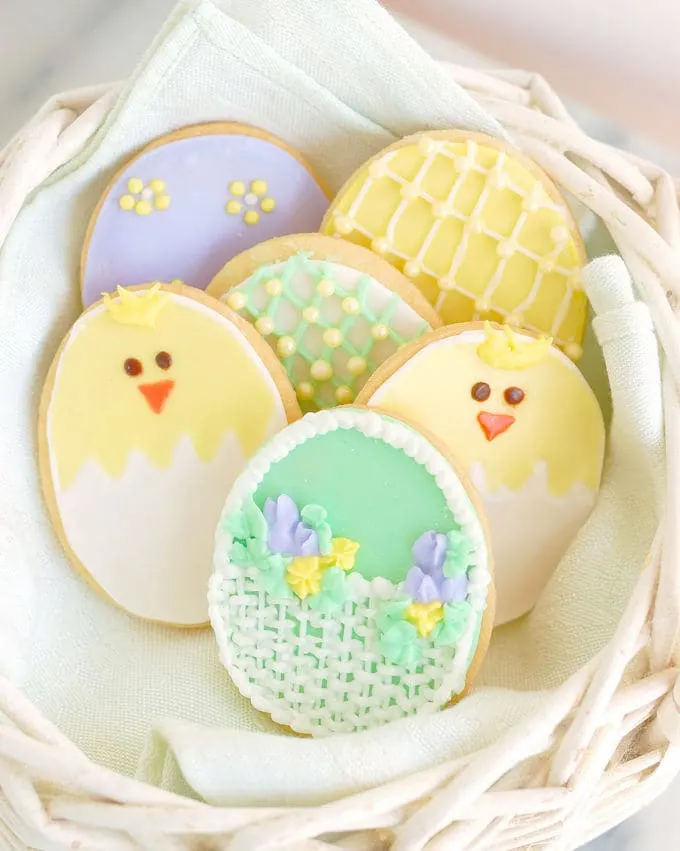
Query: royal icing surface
{"points": [[522, 419], [330, 324], [185, 206], [154, 403], [339, 602], [480, 233]]}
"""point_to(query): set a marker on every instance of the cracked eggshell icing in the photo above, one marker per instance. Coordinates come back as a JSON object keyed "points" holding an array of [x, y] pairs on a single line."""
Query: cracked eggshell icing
{"points": [[152, 406], [339, 601], [525, 425], [193, 199]]}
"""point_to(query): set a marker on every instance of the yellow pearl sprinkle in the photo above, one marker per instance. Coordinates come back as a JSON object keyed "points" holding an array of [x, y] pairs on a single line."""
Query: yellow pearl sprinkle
{"points": [[573, 351], [286, 347], [343, 224], [127, 202], [305, 391], [426, 145], [333, 337], [267, 205], [321, 370], [310, 314], [251, 217], [143, 208], [350, 305], [237, 187], [135, 185], [356, 365], [233, 207], [161, 202], [559, 234], [273, 287], [344, 395], [265, 325], [411, 269], [236, 300], [157, 185], [380, 332], [380, 245], [259, 187], [325, 287]]}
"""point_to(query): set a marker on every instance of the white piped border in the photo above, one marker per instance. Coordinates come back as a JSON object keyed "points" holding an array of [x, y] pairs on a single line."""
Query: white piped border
{"points": [[400, 436]]}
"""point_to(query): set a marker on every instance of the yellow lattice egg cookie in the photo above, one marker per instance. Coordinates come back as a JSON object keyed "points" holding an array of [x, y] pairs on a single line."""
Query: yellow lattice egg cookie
{"points": [[480, 229]]}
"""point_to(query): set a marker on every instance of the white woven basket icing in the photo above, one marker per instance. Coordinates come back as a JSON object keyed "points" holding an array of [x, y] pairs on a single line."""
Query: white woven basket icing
{"points": [[588, 760]]}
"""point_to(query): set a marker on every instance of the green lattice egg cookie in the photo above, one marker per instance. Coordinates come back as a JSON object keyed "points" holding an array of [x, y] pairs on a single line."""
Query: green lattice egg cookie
{"points": [[352, 582], [331, 310]]}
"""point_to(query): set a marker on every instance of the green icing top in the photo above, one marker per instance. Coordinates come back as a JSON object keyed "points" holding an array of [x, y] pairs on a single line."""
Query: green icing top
{"points": [[373, 493]]}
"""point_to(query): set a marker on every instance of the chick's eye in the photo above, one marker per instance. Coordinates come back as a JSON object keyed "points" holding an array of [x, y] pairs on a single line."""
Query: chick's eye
{"points": [[164, 360], [480, 391], [133, 367], [514, 395]]}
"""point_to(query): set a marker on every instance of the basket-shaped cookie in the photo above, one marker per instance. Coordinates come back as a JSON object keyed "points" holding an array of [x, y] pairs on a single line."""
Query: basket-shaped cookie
{"points": [[602, 743]]}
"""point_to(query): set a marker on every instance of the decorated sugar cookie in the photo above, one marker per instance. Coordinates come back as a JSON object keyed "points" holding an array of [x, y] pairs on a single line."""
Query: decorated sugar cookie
{"points": [[332, 311], [192, 200], [154, 402], [352, 580], [526, 425], [479, 228]]}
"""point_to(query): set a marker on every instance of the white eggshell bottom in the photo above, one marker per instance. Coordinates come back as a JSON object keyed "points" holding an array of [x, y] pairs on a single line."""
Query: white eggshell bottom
{"points": [[531, 530], [147, 538]]}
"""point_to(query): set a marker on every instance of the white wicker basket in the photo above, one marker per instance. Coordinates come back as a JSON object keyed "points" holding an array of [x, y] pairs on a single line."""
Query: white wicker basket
{"points": [[586, 762]]}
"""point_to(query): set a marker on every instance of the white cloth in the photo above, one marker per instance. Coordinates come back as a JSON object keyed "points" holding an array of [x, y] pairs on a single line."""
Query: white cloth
{"points": [[338, 81]]}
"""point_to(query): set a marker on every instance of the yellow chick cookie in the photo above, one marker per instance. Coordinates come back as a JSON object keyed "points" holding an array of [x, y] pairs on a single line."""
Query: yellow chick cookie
{"points": [[522, 419], [154, 402]]}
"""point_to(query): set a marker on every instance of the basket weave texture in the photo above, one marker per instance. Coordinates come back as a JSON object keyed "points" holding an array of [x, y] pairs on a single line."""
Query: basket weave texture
{"points": [[606, 742]]}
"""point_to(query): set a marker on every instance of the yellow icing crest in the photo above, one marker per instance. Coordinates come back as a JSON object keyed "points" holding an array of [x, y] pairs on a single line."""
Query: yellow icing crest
{"points": [[136, 308], [424, 616], [507, 350]]}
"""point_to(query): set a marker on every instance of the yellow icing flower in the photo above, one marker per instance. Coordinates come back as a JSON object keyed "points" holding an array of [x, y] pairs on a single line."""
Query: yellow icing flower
{"points": [[343, 554], [304, 575], [144, 199], [246, 199], [424, 616]]}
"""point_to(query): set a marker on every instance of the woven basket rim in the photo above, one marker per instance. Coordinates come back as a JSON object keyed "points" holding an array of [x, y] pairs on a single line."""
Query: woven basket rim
{"points": [[53, 796]]}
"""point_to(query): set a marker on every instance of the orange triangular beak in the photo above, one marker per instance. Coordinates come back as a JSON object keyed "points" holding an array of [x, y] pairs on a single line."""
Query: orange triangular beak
{"points": [[494, 424], [156, 394]]}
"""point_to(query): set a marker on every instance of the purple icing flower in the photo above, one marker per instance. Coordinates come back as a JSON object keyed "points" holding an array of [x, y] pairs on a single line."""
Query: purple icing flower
{"points": [[421, 587], [287, 533], [454, 590], [429, 552], [435, 587]]}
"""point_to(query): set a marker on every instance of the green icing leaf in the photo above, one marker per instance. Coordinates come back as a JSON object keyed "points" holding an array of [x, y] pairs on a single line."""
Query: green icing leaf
{"points": [[247, 522], [333, 592], [391, 613], [255, 553], [314, 517], [457, 558], [399, 644], [274, 580], [451, 628]]}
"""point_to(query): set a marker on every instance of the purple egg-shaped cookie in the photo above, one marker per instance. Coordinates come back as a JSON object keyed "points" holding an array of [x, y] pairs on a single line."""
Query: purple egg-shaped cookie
{"points": [[192, 200]]}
